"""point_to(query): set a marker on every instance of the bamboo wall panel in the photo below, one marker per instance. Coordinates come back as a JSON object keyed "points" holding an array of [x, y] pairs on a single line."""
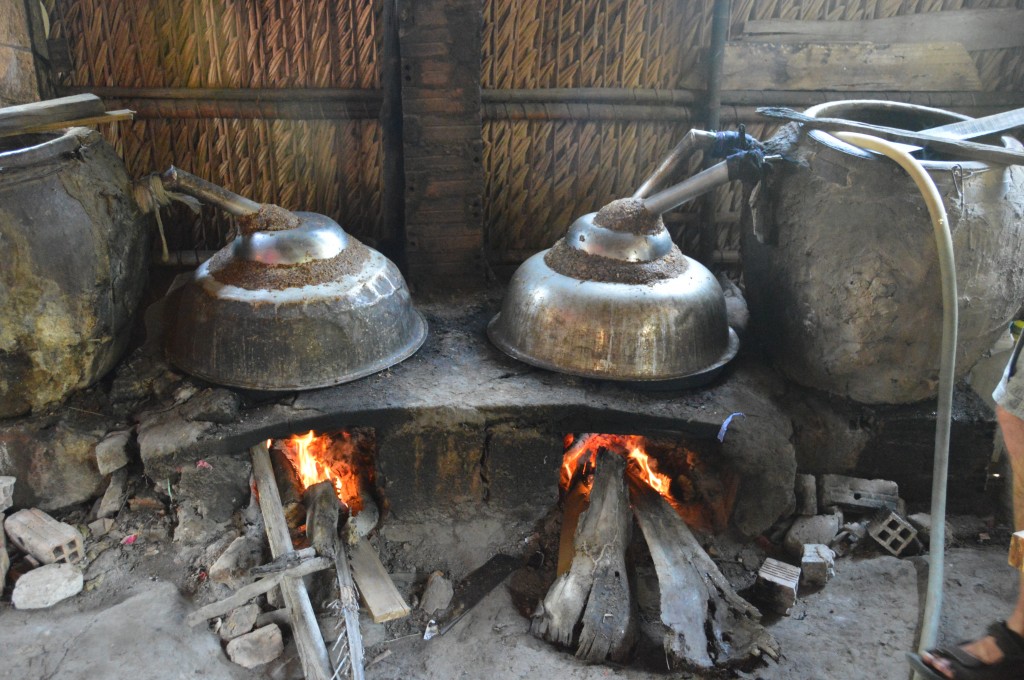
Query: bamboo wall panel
{"points": [[327, 166]]}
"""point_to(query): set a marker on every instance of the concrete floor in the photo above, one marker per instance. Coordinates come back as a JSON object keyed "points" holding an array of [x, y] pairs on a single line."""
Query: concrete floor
{"points": [[131, 626]]}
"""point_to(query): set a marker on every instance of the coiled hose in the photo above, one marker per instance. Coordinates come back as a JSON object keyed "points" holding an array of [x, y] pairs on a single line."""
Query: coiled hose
{"points": [[947, 270]]}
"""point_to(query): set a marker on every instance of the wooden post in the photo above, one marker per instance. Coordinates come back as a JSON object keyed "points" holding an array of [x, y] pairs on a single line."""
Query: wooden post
{"points": [[322, 511], [442, 142], [312, 651]]}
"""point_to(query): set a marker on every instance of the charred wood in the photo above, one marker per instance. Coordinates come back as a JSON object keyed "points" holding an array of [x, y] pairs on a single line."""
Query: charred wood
{"points": [[289, 486], [591, 607], [707, 624]]}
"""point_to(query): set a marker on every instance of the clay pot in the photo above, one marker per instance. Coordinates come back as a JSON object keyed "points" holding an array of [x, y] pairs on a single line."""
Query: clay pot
{"points": [[841, 271], [74, 249]]}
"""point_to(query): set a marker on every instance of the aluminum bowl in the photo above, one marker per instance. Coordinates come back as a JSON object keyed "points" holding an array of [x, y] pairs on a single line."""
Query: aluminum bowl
{"points": [[673, 329], [327, 329]]}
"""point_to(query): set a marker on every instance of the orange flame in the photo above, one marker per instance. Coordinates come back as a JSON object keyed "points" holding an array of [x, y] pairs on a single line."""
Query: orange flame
{"points": [[316, 459], [581, 455]]}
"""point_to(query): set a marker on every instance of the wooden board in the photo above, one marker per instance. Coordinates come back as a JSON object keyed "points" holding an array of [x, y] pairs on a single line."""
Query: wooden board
{"points": [[979, 29], [849, 67], [375, 585], [1017, 551], [17, 118]]}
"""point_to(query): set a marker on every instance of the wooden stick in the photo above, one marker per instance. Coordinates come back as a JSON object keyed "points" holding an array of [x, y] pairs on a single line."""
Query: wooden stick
{"points": [[289, 487], [961, 148], [102, 119], [350, 612], [695, 596], [18, 119], [312, 651], [576, 501], [257, 588], [284, 562], [322, 510]]}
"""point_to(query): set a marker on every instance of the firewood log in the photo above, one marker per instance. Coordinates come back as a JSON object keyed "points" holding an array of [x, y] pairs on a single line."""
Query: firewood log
{"points": [[591, 608]]}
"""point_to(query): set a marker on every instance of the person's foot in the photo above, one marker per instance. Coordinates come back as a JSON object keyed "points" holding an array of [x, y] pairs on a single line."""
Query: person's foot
{"points": [[984, 650]]}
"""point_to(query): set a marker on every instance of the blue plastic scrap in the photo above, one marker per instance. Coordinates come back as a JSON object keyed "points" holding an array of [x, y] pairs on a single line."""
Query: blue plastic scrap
{"points": [[725, 425]]}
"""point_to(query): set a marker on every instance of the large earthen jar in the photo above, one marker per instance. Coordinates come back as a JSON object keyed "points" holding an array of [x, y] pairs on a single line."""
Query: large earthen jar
{"points": [[840, 263], [73, 253]]}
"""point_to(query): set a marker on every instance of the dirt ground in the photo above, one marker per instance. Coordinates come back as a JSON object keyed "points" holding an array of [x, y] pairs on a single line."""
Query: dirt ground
{"points": [[129, 623]]}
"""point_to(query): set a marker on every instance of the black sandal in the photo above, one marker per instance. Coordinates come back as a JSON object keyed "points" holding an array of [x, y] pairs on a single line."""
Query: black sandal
{"points": [[967, 667]]}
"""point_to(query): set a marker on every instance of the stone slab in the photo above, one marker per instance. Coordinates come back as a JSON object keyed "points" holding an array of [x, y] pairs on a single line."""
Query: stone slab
{"points": [[261, 646], [46, 586], [112, 452], [6, 492]]}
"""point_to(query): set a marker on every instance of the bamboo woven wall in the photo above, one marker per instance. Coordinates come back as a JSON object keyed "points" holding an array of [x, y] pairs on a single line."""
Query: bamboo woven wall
{"points": [[327, 166], [541, 174]]}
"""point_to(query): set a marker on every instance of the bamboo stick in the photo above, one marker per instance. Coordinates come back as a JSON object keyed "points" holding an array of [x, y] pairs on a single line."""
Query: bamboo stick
{"points": [[312, 651]]}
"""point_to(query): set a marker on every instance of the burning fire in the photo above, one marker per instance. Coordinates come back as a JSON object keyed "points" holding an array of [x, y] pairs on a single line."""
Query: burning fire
{"points": [[583, 453], [699, 495], [326, 458]]}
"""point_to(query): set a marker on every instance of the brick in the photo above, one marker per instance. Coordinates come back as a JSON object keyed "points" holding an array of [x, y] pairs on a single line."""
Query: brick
{"points": [[818, 564], [776, 585], [854, 493], [892, 532], [1017, 551], [44, 538]]}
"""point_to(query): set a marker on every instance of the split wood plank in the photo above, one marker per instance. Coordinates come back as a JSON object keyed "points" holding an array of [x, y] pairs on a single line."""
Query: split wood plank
{"points": [[849, 67], [591, 607], [257, 588], [308, 640], [379, 593], [978, 29], [16, 119], [699, 607], [91, 121]]}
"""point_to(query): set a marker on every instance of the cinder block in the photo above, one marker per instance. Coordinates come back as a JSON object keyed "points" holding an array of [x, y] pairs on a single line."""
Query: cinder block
{"points": [[44, 538], [776, 585], [6, 492], [818, 564], [892, 532], [854, 493]]}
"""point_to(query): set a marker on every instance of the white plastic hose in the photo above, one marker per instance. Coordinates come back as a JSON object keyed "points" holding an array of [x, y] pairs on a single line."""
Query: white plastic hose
{"points": [[947, 271]]}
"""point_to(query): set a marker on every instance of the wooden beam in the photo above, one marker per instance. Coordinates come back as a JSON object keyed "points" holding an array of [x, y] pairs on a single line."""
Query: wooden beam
{"points": [[15, 119], [91, 121], [256, 588], [1017, 551], [312, 651], [975, 29], [375, 585], [849, 67]]}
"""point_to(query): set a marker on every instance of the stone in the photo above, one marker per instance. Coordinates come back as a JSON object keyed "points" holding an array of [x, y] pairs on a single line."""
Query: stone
{"points": [[239, 621], [261, 646], [100, 527], [437, 594], [6, 492], [52, 457], [212, 406], [217, 488], [47, 585], [115, 495], [232, 567], [44, 538], [811, 530], [112, 452], [818, 564], [5, 560], [853, 493], [806, 495], [167, 442], [776, 585]]}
